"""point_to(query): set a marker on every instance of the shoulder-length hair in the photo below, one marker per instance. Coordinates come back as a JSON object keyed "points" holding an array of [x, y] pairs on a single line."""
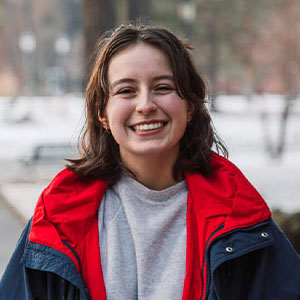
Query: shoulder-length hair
{"points": [[100, 155]]}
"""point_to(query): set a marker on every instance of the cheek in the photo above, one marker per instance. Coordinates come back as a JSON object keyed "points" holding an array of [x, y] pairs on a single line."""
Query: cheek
{"points": [[181, 115], [178, 110], [117, 114]]}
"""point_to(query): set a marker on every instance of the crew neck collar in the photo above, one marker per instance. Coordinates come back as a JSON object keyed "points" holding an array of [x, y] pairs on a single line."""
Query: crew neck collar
{"points": [[144, 193]]}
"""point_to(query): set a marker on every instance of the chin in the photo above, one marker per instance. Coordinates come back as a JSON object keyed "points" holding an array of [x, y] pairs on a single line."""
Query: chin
{"points": [[157, 151]]}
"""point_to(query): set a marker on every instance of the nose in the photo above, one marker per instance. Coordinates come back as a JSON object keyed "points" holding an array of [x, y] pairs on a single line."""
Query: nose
{"points": [[145, 103]]}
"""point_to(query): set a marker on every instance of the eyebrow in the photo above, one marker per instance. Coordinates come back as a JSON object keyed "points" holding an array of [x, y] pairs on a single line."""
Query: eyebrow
{"points": [[130, 80], [168, 77], [123, 80]]}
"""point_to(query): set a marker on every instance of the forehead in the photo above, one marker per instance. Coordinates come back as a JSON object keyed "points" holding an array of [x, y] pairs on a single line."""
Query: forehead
{"points": [[137, 60]]}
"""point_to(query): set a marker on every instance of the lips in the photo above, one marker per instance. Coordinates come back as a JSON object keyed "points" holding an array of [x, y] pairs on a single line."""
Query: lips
{"points": [[148, 126]]}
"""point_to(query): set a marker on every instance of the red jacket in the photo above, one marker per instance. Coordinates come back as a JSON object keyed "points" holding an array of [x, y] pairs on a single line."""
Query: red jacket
{"points": [[222, 202]]}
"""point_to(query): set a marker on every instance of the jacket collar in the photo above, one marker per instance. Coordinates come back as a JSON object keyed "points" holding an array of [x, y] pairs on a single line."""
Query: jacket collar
{"points": [[226, 192], [71, 202]]}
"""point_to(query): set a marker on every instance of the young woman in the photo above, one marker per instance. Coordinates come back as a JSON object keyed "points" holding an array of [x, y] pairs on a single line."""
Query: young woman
{"points": [[149, 211]]}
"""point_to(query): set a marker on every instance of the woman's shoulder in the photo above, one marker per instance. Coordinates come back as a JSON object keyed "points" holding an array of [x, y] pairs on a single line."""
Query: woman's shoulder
{"points": [[68, 192], [68, 199], [227, 187], [221, 163], [225, 172], [67, 181]]}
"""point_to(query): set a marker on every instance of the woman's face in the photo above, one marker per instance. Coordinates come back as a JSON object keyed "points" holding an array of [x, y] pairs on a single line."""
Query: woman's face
{"points": [[144, 112]]}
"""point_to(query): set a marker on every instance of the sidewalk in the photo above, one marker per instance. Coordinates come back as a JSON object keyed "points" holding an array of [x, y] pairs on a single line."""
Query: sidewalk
{"points": [[22, 197], [21, 185], [10, 230]]}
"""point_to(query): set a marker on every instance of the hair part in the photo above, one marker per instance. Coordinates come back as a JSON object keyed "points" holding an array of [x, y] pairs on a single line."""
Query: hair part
{"points": [[100, 156]]}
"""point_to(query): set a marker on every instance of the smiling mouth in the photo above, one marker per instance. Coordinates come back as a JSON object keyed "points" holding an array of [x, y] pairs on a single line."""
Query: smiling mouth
{"points": [[148, 127]]}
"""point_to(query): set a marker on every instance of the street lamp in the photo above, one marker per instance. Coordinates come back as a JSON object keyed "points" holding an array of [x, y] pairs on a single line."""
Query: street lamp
{"points": [[27, 44], [62, 47], [187, 12]]}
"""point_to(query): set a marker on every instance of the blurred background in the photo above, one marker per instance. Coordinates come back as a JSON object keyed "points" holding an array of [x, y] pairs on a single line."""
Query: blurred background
{"points": [[249, 51]]}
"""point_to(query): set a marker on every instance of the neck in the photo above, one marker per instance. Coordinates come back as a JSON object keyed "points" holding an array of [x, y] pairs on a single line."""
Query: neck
{"points": [[155, 172]]}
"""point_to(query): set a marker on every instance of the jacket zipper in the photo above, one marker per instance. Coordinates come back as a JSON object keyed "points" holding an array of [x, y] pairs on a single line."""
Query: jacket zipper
{"points": [[80, 270], [205, 259], [219, 237]]}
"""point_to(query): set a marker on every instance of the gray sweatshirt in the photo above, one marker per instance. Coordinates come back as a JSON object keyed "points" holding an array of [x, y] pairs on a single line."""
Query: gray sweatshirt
{"points": [[142, 236]]}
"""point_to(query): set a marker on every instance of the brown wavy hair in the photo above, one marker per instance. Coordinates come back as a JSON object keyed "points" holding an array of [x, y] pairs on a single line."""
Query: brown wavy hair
{"points": [[100, 155]]}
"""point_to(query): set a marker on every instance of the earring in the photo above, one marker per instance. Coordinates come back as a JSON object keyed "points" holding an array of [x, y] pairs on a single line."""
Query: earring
{"points": [[107, 129], [105, 125]]}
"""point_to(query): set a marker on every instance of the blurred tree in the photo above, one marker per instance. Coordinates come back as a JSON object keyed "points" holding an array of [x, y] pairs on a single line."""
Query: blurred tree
{"points": [[226, 35], [122, 11], [134, 11], [210, 32], [140, 10], [249, 18], [278, 52], [165, 13], [98, 17], [11, 73], [288, 33], [72, 9]]}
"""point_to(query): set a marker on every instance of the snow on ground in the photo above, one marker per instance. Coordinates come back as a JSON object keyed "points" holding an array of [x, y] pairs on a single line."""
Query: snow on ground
{"points": [[28, 122]]}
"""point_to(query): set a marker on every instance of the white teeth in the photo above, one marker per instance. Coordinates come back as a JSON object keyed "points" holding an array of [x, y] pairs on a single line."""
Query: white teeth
{"points": [[145, 127]]}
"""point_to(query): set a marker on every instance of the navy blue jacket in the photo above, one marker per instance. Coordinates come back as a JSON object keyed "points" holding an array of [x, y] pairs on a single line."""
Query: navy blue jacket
{"points": [[256, 263]]}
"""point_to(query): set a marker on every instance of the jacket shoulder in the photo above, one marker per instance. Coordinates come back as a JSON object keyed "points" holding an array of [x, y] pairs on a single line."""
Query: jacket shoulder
{"points": [[226, 191], [223, 176], [66, 206], [220, 163], [226, 171], [68, 182], [64, 178]]}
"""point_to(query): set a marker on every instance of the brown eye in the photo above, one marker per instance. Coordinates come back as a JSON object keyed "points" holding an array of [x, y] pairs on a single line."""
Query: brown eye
{"points": [[126, 91], [164, 89]]}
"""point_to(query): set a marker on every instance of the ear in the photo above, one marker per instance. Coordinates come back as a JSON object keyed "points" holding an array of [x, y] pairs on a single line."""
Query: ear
{"points": [[190, 111], [103, 121]]}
